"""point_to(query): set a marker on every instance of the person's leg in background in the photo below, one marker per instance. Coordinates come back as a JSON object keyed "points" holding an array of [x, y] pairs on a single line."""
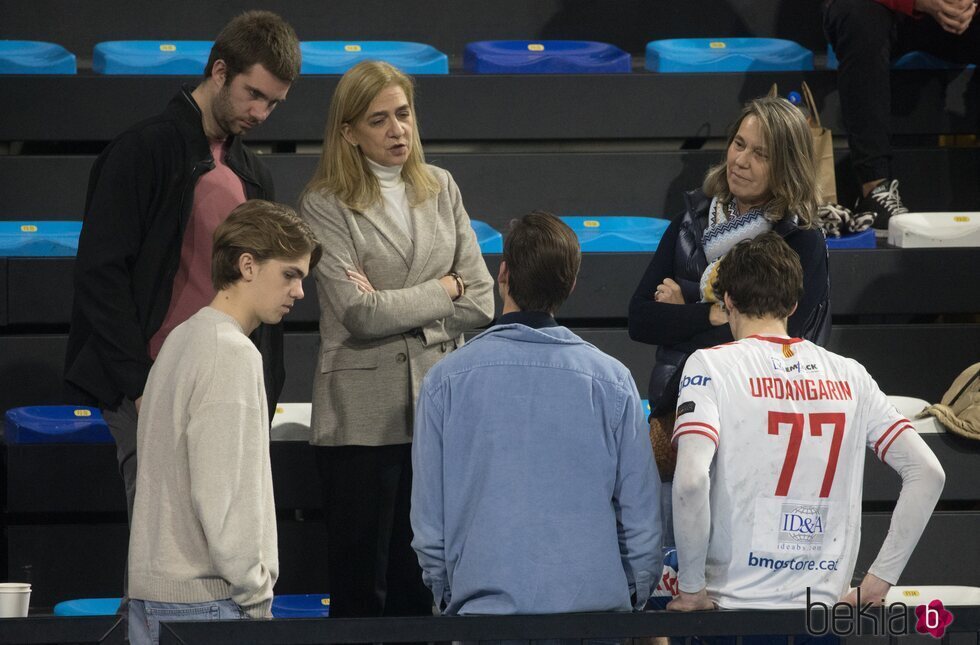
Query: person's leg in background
{"points": [[406, 594], [122, 425], [863, 33], [351, 507]]}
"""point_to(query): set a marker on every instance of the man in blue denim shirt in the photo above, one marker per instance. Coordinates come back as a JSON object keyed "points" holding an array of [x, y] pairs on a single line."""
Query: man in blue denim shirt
{"points": [[535, 489]]}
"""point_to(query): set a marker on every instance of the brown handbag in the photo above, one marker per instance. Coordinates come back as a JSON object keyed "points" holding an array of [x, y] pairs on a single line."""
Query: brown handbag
{"points": [[664, 453]]}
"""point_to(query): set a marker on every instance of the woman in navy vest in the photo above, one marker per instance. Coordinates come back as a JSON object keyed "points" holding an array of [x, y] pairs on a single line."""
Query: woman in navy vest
{"points": [[765, 183]]}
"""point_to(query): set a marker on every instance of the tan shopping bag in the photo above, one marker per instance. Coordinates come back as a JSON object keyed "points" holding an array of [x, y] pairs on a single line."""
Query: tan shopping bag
{"points": [[823, 148]]}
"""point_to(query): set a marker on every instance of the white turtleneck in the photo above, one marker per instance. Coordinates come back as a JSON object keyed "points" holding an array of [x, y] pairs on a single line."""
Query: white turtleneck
{"points": [[394, 196]]}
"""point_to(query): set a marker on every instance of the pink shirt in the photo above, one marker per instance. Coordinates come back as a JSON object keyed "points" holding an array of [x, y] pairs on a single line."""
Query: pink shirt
{"points": [[217, 193]]}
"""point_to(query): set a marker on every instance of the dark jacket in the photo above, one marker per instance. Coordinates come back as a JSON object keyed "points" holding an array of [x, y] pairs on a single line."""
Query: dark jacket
{"points": [[140, 194], [901, 6], [679, 330]]}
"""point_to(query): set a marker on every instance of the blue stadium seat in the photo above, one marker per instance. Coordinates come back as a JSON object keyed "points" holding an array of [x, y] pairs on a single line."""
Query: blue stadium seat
{"points": [[34, 57], [924, 60], [862, 240], [337, 56], [618, 233], [88, 607], [544, 57], [173, 57], [909, 60], [699, 55], [39, 239], [490, 239], [310, 605], [55, 424], [287, 606]]}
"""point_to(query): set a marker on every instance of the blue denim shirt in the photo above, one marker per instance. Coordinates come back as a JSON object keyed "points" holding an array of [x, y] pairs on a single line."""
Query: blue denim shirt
{"points": [[535, 489]]}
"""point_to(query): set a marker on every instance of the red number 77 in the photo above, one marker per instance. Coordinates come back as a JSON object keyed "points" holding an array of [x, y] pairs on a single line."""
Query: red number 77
{"points": [[795, 422]]}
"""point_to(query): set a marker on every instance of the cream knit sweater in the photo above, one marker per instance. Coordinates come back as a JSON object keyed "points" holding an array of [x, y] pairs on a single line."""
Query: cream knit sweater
{"points": [[204, 522]]}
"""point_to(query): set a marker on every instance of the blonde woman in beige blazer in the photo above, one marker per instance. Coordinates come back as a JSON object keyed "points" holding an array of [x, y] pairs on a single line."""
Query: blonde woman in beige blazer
{"points": [[400, 280]]}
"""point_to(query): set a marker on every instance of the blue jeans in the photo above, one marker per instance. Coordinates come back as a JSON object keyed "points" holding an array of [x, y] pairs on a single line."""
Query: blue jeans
{"points": [[145, 616]]}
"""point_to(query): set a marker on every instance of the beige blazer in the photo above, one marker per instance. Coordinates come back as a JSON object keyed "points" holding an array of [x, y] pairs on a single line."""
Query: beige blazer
{"points": [[375, 348]]}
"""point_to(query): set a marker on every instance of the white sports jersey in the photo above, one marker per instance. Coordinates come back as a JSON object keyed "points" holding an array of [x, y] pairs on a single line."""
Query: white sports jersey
{"points": [[790, 422]]}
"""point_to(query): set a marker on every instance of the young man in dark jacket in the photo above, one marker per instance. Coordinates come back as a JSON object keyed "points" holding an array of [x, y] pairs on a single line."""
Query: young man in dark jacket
{"points": [[155, 196]]}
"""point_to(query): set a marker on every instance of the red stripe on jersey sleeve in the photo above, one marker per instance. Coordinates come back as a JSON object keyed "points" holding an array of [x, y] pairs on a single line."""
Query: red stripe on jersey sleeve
{"points": [[889, 430], [677, 435], [884, 450], [697, 424]]}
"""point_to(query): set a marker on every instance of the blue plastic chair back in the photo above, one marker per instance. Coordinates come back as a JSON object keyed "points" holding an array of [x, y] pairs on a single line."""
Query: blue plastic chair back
{"points": [[489, 238], [39, 239], [88, 607], [862, 240], [35, 57], [711, 55], [909, 60], [617, 234], [55, 424], [338, 56], [544, 57], [310, 605], [173, 57], [925, 60]]}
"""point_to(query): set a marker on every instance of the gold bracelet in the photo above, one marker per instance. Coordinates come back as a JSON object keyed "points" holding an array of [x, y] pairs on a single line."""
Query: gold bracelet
{"points": [[460, 285]]}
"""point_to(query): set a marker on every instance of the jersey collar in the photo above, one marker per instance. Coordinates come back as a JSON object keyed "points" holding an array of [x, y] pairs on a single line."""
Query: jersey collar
{"points": [[779, 340]]}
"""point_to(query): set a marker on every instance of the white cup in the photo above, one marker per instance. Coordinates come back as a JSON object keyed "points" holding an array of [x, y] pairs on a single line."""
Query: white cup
{"points": [[15, 598]]}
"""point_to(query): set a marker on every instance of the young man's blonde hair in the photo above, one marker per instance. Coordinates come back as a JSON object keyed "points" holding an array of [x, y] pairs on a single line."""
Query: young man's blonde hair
{"points": [[265, 230], [343, 169], [792, 169]]}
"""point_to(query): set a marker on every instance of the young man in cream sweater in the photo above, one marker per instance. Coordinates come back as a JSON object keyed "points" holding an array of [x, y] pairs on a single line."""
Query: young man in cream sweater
{"points": [[203, 538]]}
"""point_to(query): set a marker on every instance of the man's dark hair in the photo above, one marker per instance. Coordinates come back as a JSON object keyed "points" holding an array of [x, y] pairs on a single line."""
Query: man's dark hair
{"points": [[543, 257], [763, 277], [257, 37]]}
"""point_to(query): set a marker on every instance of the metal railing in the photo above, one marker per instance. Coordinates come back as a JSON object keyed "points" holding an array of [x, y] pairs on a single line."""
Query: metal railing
{"points": [[621, 626], [534, 627]]}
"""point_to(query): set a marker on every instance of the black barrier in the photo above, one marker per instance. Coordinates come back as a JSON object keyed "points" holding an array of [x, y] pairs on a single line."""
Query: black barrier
{"points": [[57, 629], [483, 628], [560, 110], [864, 282]]}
